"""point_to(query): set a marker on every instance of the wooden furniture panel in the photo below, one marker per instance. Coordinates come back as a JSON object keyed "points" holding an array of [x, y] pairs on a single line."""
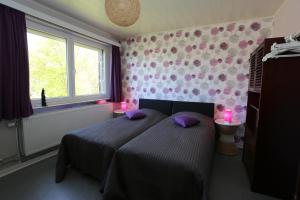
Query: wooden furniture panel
{"points": [[272, 135], [297, 193]]}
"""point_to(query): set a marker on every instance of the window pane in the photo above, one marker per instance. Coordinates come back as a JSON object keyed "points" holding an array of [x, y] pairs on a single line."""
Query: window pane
{"points": [[47, 61], [87, 77]]}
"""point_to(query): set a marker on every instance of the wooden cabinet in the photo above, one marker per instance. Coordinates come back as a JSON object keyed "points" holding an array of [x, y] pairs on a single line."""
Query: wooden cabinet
{"points": [[297, 194], [272, 133]]}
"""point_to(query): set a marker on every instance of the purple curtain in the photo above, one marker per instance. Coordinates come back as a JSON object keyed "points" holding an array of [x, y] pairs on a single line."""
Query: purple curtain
{"points": [[116, 82], [14, 66]]}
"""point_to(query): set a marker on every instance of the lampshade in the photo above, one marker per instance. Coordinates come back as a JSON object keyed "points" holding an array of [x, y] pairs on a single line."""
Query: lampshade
{"points": [[123, 106], [122, 12], [227, 116]]}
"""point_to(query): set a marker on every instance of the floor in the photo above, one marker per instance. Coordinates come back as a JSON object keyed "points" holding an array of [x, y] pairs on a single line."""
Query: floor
{"points": [[36, 182], [229, 180]]}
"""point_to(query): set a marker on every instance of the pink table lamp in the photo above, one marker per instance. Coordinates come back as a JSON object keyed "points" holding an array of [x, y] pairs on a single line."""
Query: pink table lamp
{"points": [[123, 106], [228, 116]]}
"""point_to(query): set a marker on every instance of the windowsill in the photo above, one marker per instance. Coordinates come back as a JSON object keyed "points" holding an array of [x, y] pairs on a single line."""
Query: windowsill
{"points": [[51, 108]]}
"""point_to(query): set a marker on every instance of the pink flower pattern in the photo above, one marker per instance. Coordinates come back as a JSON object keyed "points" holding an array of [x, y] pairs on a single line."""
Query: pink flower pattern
{"points": [[201, 64]]}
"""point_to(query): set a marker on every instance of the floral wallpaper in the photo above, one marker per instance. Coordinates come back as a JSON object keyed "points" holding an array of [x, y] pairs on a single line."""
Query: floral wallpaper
{"points": [[201, 64]]}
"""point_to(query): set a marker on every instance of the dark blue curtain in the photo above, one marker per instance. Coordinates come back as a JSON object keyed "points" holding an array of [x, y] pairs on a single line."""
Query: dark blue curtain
{"points": [[116, 82], [14, 66]]}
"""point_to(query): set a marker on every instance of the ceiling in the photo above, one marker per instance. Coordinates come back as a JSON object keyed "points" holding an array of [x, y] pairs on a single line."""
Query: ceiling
{"points": [[162, 15]]}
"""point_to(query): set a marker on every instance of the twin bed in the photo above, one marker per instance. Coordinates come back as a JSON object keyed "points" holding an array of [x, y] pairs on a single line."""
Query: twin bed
{"points": [[149, 158]]}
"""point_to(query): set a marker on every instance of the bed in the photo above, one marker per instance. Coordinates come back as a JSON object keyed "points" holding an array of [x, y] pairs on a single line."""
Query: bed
{"points": [[91, 149], [166, 162]]}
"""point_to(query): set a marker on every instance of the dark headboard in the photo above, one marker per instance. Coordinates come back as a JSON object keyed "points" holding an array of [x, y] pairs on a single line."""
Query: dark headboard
{"points": [[203, 108], [163, 106], [171, 107]]}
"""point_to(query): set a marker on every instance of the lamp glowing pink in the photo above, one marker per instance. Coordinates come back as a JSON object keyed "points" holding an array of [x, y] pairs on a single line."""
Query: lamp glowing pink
{"points": [[228, 116], [101, 102], [123, 106]]}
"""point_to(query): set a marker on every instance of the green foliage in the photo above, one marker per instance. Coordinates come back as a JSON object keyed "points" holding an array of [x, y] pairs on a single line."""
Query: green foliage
{"points": [[87, 71], [48, 68], [47, 58]]}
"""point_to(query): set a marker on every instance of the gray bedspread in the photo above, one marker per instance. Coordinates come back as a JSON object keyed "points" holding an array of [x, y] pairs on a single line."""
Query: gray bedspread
{"points": [[91, 149], [166, 162]]}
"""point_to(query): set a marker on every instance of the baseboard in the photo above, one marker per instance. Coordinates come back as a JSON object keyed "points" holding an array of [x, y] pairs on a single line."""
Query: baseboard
{"points": [[20, 165], [3, 161], [40, 153]]}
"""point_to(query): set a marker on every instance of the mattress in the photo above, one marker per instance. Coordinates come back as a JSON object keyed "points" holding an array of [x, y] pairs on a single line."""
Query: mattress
{"points": [[166, 162], [91, 149]]}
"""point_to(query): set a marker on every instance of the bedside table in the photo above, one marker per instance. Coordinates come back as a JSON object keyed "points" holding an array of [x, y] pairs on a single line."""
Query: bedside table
{"points": [[227, 131], [118, 113]]}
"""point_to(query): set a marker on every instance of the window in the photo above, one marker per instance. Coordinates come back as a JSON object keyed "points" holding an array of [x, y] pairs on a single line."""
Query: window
{"points": [[70, 67], [48, 65], [87, 70]]}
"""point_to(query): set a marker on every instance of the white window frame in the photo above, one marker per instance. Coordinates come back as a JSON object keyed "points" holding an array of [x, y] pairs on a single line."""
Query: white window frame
{"points": [[71, 39]]}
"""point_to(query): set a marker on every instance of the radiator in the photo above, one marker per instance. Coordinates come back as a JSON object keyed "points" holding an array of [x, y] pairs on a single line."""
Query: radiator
{"points": [[45, 130]]}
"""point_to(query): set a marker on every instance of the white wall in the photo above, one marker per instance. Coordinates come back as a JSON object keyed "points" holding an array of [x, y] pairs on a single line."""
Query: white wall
{"points": [[286, 20], [8, 143]]}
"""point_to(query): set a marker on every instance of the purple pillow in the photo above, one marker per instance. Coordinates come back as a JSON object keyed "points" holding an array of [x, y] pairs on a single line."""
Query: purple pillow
{"points": [[135, 114], [185, 121]]}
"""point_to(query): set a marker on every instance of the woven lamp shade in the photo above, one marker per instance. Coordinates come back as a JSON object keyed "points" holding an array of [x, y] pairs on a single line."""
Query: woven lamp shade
{"points": [[122, 12]]}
